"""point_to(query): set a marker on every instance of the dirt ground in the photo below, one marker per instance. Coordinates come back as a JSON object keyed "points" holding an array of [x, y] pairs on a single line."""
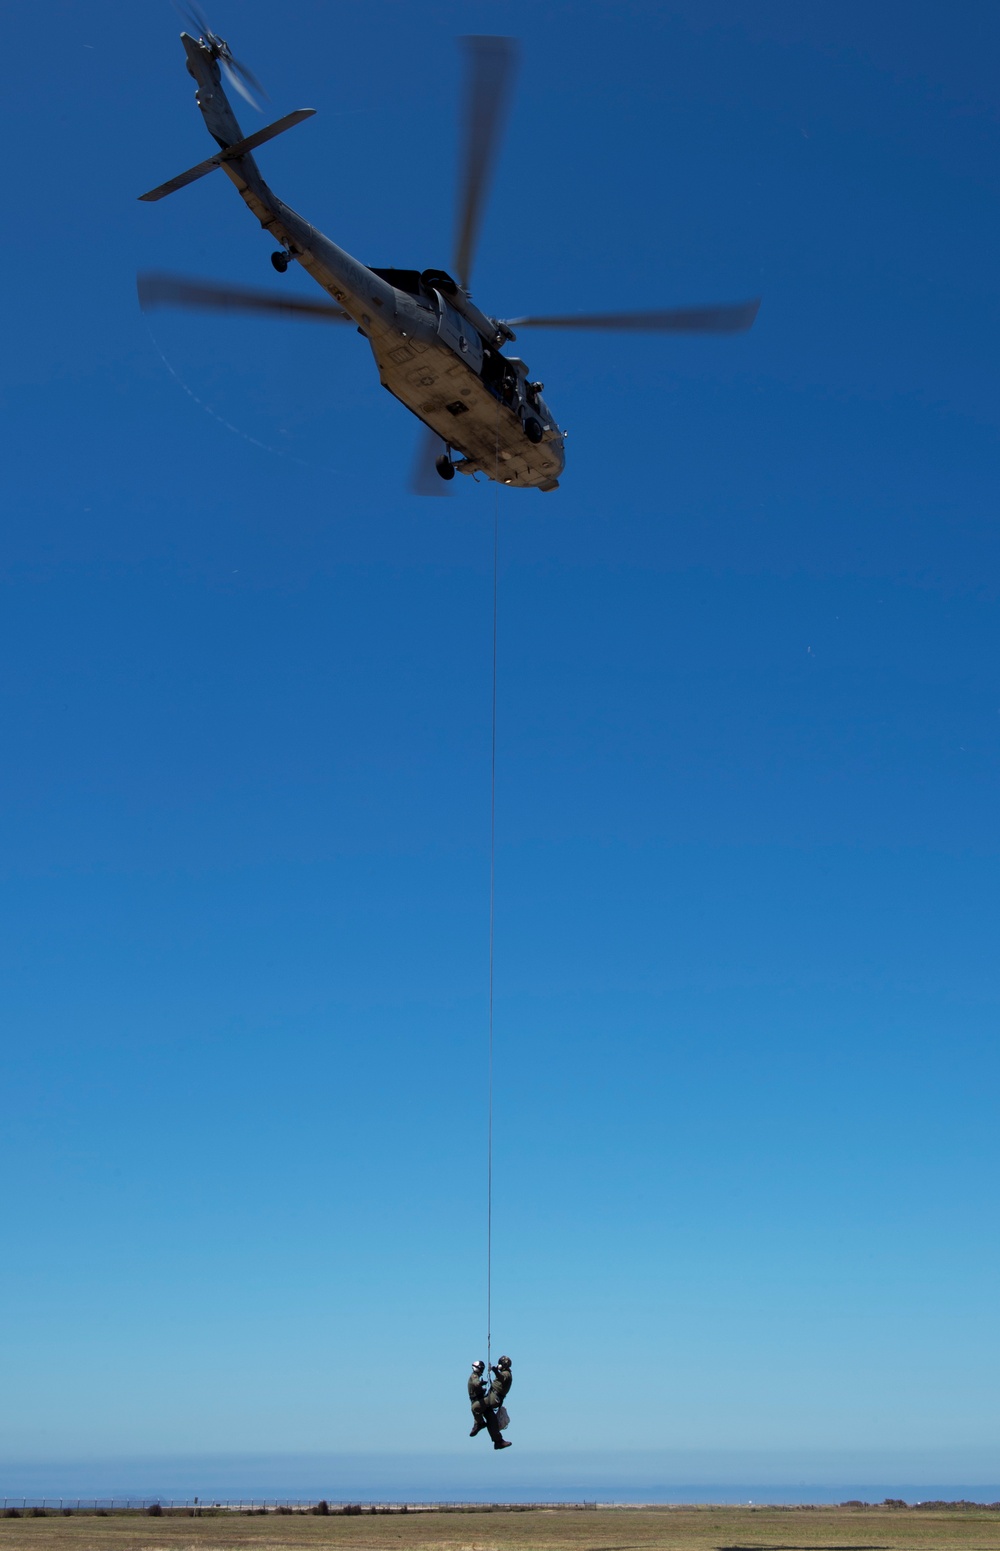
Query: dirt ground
{"points": [[617, 1529]]}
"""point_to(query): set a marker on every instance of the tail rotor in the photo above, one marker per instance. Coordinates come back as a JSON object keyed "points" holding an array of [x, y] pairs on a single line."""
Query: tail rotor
{"points": [[240, 77]]}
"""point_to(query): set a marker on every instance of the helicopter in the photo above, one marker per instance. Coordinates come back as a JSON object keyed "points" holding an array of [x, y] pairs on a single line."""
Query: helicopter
{"points": [[435, 350]]}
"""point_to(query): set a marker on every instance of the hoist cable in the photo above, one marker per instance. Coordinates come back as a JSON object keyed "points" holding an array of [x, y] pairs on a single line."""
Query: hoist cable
{"points": [[493, 853]]}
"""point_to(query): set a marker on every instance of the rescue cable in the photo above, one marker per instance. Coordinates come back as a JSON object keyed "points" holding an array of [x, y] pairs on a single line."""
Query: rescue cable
{"points": [[493, 850]]}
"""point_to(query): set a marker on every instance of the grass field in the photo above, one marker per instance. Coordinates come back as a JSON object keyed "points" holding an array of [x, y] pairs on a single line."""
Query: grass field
{"points": [[618, 1529]]}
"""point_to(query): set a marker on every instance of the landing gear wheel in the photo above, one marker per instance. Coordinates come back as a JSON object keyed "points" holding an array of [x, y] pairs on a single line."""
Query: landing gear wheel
{"points": [[533, 429], [280, 262], [445, 467]]}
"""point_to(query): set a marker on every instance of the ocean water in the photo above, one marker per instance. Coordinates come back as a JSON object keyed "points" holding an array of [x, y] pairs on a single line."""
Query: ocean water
{"points": [[478, 1475]]}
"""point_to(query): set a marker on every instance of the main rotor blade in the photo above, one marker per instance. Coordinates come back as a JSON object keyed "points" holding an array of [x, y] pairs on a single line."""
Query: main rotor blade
{"points": [[734, 318], [176, 291], [424, 477], [489, 76]]}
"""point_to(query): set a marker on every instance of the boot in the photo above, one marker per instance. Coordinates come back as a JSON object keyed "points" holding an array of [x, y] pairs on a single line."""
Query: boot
{"points": [[504, 1443], [477, 1428]]}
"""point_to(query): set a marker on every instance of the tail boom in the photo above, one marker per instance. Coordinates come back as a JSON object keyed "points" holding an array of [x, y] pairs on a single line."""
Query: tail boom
{"points": [[365, 296]]}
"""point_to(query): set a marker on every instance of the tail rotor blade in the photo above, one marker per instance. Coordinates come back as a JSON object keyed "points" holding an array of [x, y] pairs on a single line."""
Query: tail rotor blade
{"points": [[424, 477], [733, 318], [177, 291], [489, 77], [195, 17], [242, 79], [239, 75]]}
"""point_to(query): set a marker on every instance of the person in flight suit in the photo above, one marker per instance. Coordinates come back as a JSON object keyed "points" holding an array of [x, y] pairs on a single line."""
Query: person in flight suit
{"points": [[483, 1414], [500, 1387]]}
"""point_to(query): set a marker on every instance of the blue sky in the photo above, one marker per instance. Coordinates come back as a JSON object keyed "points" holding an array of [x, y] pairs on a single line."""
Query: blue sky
{"points": [[749, 727]]}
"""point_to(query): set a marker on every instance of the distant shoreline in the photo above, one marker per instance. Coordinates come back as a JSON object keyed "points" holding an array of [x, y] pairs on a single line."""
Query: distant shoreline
{"points": [[16, 1506]]}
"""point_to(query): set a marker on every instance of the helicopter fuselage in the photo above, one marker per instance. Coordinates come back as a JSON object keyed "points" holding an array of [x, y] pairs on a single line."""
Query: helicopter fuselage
{"points": [[435, 351]]}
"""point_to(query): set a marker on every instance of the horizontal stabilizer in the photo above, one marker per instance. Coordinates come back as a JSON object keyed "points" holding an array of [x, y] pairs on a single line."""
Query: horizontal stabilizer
{"points": [[183, 179], [230, 154]]}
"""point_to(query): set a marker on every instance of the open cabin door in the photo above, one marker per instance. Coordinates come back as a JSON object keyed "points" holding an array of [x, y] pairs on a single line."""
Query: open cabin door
{"points": [[459, 335]]}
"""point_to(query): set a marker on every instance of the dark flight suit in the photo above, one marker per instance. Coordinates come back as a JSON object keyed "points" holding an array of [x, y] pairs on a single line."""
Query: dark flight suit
{"points": [[481, 1411], [499, 1387]]}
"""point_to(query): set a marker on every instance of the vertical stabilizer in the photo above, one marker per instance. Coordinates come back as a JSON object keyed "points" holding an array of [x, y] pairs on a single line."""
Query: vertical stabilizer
{"points": [[216, 109]]}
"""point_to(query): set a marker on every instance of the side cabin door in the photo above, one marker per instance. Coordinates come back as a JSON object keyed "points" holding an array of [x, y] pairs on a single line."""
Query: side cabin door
{"points": [[459, 335]]}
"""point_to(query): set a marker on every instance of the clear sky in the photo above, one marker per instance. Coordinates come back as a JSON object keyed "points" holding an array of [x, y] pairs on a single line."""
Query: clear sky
{"points": [[749, 727]]}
